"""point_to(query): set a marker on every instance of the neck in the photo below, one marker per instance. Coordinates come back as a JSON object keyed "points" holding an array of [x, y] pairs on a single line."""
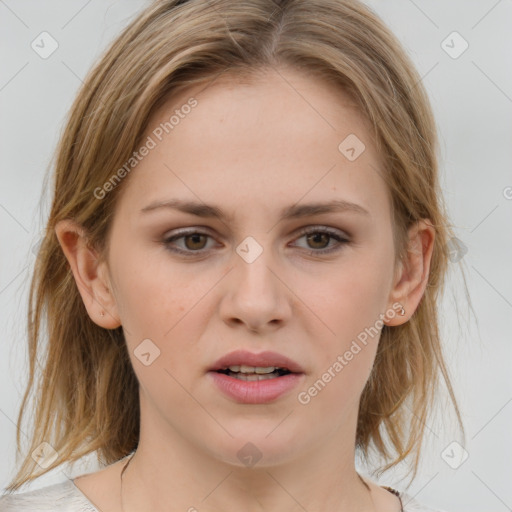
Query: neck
{"points": [[179, 476]]}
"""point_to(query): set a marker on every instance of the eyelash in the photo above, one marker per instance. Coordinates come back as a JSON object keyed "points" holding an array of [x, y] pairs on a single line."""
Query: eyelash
{"points": [[307, 231]]}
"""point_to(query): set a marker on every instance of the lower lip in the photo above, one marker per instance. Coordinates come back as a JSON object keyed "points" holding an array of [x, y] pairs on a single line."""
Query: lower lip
{"points": [[258, 391]]}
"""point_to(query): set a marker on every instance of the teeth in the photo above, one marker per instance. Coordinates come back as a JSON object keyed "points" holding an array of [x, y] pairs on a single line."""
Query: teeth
{"points": [[253, 376], [252, 369], [260, 370]]}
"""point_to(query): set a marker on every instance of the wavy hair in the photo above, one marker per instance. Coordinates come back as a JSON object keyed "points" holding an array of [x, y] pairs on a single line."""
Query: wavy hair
{"points": [[85, 390]]}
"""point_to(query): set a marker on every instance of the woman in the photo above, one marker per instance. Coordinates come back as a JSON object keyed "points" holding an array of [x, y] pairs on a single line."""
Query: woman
{"points": [[241, 267]]}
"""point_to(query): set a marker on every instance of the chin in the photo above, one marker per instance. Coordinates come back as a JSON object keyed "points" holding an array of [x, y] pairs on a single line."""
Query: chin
{"points": [[256, 448]]}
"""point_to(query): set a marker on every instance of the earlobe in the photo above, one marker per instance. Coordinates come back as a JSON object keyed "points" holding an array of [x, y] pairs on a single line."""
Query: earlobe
{"points": [[91, 275], [414, 272]]}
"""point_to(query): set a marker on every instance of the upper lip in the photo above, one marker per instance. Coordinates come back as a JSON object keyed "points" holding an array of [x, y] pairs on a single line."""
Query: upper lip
{"points": [[261, 359]]}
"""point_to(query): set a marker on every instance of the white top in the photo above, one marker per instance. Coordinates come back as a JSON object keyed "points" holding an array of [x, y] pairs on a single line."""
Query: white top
{"points": [[67, 497]]}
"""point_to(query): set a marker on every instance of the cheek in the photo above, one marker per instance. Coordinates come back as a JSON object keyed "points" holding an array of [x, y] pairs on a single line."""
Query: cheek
{"points": [[151, 294], [166, 304], [351, 297], [349, 302]]}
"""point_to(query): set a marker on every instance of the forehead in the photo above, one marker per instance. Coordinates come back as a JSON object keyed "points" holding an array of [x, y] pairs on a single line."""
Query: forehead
{"points": [[278, 136]]}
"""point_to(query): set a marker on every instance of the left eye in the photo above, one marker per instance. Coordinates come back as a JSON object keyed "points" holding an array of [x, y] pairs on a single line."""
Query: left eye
{"points": [[319, 235], [195, 241]]}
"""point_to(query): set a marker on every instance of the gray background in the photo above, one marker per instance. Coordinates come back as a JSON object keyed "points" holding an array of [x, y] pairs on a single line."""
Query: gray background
{"points": [[472, 99]]}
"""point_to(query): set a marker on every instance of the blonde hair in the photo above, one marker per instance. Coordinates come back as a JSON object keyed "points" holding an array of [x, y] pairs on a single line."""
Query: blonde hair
{"points": [[87, 393]]}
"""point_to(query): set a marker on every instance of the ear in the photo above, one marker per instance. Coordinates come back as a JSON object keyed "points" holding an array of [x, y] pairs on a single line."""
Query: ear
{"points": [[91, 276], [412, 276]]}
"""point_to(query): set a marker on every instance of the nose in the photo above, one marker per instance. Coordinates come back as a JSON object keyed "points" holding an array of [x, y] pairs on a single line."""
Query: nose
{"points": [[256, 295]]}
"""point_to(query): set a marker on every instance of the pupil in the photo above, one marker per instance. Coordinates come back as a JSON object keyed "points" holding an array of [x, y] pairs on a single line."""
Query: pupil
{"points": [[194, 237], [315, 235]]}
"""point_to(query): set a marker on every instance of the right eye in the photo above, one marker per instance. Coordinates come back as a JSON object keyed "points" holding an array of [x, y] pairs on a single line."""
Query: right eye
{"points": [[193, 241]]}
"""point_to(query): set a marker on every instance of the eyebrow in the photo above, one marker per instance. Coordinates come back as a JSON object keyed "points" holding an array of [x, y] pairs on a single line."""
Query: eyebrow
{"points": [[290, 212]]}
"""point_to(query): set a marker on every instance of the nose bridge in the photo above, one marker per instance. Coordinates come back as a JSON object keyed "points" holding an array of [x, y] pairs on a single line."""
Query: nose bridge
{"points": [[255, 296], [253, 268]]}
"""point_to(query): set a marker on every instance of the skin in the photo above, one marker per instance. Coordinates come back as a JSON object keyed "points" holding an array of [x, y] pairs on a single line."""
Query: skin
{"points": [[251, 149]]}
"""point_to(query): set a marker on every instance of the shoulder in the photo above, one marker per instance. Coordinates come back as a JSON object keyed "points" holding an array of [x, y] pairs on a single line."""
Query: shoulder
{"points": [[410, 504], [61, 497]]}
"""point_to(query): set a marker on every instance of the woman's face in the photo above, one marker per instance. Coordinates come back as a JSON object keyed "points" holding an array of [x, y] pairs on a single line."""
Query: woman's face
{"points": [[255, 268]]}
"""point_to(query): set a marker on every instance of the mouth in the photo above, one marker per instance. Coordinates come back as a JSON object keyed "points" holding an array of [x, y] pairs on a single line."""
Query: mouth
{"points": [[254, 373], [245, 365], [250, 378]]}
